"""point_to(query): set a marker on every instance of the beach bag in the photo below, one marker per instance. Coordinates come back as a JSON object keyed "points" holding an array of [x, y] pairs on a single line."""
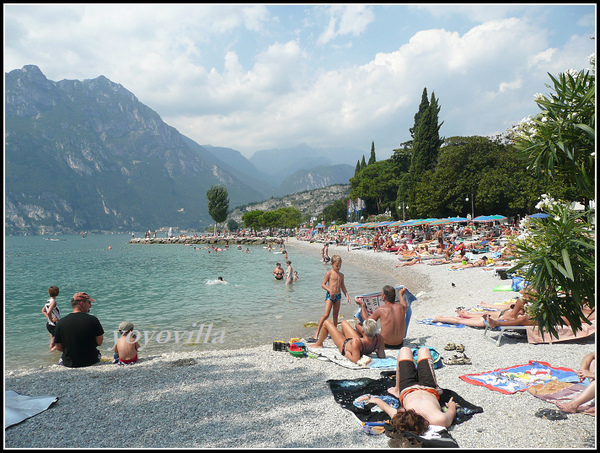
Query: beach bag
{"points": [[437, 362]]}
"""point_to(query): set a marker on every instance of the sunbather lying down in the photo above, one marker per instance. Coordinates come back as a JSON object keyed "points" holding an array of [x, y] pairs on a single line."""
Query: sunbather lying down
{"points": [[514, 315], [479, 263]]}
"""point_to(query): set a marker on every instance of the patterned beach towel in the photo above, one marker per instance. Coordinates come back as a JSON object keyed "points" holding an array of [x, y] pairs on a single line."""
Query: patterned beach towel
{"points": [[561, 392], [519, 378]]}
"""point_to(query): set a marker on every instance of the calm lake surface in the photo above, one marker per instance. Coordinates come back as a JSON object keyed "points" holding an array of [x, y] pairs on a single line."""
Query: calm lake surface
{"points": [[167, 291]]}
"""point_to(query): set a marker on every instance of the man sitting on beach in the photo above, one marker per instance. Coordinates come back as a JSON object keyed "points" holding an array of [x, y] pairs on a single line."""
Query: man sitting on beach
{"points": [[392, 316], [78, 334]]}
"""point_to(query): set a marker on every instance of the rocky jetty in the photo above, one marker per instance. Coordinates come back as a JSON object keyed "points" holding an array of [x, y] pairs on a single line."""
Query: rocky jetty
{"points": [[243, 240]]}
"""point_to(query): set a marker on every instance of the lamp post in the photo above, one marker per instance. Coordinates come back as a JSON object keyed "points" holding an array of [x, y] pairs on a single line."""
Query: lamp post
{"points": [[402, 206], [472, 208]]}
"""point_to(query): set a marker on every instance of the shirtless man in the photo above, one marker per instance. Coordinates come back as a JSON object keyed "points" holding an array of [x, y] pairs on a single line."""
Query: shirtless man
{"points": [[392, 316], [418, 393]]}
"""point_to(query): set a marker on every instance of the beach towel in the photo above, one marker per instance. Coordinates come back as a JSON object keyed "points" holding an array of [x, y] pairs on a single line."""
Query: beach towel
{"points": [[332, 353], [503, 288], [21, 407], [562, 392], [565, 333], [346, 392], [374, 300], [519, 378], [429, 322]]}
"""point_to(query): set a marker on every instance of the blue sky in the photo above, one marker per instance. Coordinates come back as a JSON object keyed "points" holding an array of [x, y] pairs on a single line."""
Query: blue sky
{"points": [[254, 77]]}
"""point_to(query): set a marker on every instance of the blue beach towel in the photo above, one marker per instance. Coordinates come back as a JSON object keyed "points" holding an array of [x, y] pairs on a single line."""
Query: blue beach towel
{"points": [[429, 322]]}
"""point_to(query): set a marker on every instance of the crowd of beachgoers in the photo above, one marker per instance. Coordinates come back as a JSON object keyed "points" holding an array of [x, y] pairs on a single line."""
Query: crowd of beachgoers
{"points": [[261, 398]]}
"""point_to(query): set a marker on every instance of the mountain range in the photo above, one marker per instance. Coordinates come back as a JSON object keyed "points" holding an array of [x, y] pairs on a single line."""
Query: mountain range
{"points": [[89, 156]]}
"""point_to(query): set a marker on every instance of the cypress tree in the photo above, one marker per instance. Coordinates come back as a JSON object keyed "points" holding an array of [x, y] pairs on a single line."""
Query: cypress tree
{"points": [[422, 107], [363, 164], [372, 159]]}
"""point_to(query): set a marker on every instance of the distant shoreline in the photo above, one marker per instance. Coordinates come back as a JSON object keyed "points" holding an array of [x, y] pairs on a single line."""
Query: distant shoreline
{"points": [[236, 240]]}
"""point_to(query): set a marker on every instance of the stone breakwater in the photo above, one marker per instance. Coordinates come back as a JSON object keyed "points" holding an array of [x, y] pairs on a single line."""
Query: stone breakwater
{"points": [[252, 240]]}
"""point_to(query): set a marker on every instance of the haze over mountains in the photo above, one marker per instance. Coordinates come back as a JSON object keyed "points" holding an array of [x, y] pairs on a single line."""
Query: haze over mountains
{"points": [[88, 156]]}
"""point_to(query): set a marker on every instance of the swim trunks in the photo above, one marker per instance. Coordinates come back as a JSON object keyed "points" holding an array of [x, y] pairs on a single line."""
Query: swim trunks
{"points": [[419, 378], [128, 361], [278, 276], [334, 298], [393, 346]]}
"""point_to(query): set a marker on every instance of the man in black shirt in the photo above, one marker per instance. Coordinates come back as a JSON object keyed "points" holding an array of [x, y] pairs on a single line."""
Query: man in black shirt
{"points": [[78, 334]]}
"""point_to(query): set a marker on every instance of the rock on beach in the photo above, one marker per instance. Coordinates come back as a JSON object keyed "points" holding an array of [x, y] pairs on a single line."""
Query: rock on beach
{"points": [[260, 398]]}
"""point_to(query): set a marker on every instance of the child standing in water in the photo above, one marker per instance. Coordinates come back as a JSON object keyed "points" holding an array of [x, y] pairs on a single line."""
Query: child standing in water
{"points": [[333, 283], [50, 311]]}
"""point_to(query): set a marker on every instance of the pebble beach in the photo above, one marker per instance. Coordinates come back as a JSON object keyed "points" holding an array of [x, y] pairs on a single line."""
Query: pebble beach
{"points": [[259, 398]]}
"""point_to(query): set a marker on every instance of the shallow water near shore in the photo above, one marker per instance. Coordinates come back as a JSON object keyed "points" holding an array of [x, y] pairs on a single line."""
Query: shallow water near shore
{"points": [[167, 291]]}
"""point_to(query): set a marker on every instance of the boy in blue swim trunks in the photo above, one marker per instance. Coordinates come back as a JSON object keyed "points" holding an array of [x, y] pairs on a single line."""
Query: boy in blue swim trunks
{"points": [[333, 283]]}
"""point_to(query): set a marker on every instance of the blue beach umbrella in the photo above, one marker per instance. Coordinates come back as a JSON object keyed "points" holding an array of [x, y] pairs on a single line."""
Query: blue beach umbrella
{"points": [[539, 215]]}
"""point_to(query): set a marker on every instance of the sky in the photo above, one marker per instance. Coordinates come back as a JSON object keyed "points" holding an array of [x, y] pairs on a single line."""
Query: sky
{"points": [[253, 77]]}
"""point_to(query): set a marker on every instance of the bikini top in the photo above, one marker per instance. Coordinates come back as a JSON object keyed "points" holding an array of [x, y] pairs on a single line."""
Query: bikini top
{"points": [[362, 348]]}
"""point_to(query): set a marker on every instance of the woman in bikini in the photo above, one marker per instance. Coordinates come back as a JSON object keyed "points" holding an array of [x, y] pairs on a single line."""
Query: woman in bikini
{"points": [[278, 272], [350, 343]]}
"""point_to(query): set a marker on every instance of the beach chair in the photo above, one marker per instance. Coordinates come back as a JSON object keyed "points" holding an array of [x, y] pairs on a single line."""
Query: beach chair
{"points": [[503, 329]]}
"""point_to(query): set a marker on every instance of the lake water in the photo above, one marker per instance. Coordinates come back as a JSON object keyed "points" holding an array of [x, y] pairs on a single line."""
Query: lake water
{"points": [[167, 291]]}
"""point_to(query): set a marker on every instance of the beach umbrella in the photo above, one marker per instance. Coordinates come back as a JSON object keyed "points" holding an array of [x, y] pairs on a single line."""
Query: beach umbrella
{"points": [[395, 224], [320, 226], [498, 217], [483, 218], [440, 222], [539, 215], [459, 219]]}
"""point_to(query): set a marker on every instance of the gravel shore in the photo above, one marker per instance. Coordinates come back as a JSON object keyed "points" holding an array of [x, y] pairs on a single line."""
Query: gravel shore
{"points": [[258, 398]]}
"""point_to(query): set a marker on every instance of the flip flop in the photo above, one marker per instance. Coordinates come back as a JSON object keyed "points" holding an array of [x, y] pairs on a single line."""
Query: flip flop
{"points": [[457, 360], [551, 414], [450, 347], [460, 348]]}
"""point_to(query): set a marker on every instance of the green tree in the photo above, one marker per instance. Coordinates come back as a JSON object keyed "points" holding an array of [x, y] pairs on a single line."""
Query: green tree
{"points": [[372, 159], [218, 203], [253, 220], [559, 253], [337, 212], [357, 169], [289, 217], [484, 167], [424, 105], [377, 185], [363, 163], [232, 225]]}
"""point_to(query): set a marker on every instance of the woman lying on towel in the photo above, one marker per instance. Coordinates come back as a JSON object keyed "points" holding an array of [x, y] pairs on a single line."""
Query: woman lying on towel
{"points": [[350, 343]]}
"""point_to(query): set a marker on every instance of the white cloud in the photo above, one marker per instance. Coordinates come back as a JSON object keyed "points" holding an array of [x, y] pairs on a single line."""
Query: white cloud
{"points": [[346, 20], [190, 64]]}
